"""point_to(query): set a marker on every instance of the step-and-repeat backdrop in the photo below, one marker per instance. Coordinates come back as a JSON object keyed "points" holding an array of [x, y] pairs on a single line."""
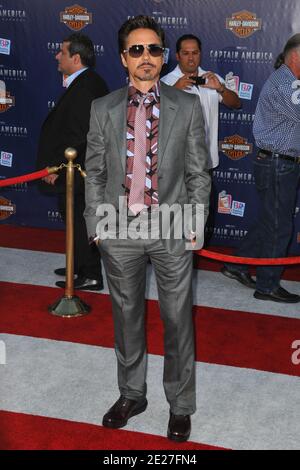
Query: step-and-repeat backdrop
{"points": [[240, 38]]}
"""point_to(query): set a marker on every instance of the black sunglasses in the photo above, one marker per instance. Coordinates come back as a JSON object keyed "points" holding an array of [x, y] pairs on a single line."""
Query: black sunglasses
{"points": [[155, 50]]}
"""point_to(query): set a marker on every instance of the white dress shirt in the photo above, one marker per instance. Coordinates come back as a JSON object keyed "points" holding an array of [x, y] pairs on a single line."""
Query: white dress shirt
{"points": [[209, 100]]}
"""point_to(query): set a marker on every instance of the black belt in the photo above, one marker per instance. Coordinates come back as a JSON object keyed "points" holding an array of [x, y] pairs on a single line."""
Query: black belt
{"points": [[263, 152]]}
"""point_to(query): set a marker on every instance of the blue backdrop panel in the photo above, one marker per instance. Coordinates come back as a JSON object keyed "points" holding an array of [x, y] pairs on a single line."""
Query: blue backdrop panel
{"points": [[240, 38]]}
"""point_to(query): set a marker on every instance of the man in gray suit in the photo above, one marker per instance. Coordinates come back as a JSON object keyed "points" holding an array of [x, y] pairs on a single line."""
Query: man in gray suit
{"points": [[147, 144]]}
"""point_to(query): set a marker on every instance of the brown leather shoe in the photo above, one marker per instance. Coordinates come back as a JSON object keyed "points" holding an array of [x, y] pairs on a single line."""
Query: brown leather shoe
{"points": [[124, 408], [179, 427]]}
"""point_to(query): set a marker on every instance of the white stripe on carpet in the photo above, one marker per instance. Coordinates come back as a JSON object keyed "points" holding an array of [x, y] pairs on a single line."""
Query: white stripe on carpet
{"points": [[210, 288], [237, 408]]}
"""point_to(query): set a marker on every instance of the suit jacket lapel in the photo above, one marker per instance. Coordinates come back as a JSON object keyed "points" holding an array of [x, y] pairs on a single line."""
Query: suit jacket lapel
{"points": [[118, 116], [167, 114]]}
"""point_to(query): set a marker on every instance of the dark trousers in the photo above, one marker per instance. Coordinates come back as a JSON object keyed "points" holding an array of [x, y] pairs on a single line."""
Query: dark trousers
{"points": [[276, 182], [86, 257]]}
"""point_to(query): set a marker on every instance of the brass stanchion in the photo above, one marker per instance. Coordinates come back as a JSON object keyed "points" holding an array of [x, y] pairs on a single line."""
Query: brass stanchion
{"points": [[70, 305]]}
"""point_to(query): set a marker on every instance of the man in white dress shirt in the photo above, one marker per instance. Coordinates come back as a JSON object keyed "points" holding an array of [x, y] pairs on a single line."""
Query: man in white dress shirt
{"points": [[211, 93]]}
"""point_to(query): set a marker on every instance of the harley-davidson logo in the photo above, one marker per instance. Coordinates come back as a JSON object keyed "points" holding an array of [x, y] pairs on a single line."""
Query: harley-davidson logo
{"points": [[6, 208], [6, 101], [243, 23], [76, 17], [235, 147]]}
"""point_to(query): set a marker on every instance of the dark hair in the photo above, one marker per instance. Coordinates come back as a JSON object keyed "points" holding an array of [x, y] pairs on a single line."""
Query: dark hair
{"points": [[82, 45], [279, 61], [292, 43], [138, 22], [187, 37]]}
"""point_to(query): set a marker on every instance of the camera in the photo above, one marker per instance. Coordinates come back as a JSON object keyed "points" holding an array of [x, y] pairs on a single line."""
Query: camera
{"points": [[198, 80]]}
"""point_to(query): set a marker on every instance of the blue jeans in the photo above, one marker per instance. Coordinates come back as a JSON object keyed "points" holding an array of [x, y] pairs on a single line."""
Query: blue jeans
{"points": [[276, 182]]}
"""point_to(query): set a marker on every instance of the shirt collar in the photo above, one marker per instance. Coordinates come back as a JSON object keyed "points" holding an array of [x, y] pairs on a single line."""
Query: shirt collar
{"points": [[287, 71], [74, 75], [134, 95]]}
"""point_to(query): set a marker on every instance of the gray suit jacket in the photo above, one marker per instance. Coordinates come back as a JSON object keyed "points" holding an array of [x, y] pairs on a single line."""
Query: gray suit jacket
{"points": [[183, 177]]}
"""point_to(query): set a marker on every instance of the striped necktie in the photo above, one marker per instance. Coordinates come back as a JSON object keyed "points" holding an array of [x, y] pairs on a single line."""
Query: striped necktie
{"points": [[137, 189]]}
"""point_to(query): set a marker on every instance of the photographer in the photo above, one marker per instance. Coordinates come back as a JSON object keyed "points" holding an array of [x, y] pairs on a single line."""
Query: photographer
{"points": [[210, 87]]}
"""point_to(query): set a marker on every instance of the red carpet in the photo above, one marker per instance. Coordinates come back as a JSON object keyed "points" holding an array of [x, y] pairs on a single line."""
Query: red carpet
{"points": [[29, 238], [226, 337], [20, 431]]}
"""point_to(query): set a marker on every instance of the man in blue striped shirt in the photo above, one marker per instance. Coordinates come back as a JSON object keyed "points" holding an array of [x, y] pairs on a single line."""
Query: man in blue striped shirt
{"points": [[276, 130]]}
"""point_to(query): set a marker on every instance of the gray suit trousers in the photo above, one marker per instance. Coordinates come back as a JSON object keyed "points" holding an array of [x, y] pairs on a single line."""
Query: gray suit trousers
{"points": [[125, 262]]}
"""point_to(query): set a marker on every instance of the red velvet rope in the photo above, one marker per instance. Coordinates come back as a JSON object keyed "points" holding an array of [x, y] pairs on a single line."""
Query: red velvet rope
{"points": [[256, 261], [22, 179]]}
